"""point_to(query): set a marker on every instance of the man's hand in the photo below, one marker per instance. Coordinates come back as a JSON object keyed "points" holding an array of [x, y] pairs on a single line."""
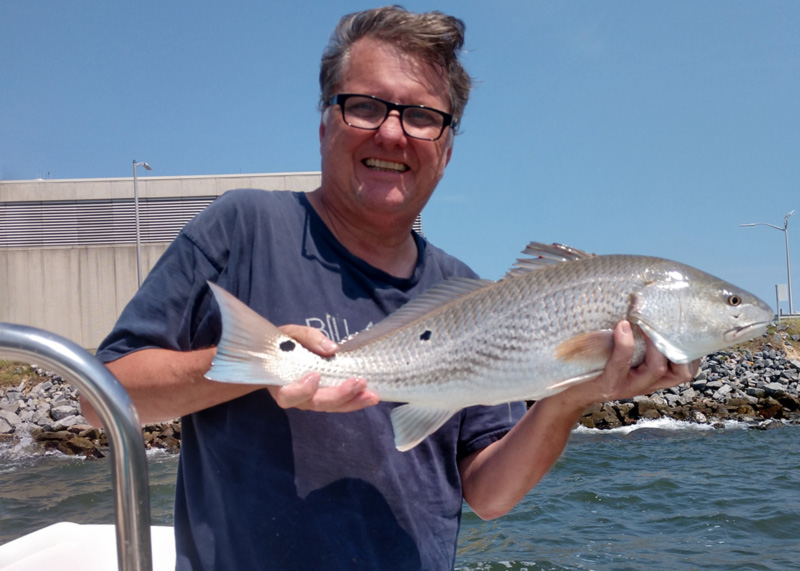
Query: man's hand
{"points": [[306, 394], [495, 478], [619, 381]]}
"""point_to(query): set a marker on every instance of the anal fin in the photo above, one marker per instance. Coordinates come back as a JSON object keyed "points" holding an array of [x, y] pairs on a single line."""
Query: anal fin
{"points": [[412, 424]]}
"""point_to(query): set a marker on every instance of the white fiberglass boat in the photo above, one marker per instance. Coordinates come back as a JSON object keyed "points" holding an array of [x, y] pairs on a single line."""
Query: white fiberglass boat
{"points": [[70, 546]]}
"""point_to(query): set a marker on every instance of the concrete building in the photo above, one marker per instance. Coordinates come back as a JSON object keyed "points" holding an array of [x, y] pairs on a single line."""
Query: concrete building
{"points": [[68, 260]]}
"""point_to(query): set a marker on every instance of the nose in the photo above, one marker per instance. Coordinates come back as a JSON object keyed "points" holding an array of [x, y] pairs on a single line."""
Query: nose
{"points": [[391, 131]]}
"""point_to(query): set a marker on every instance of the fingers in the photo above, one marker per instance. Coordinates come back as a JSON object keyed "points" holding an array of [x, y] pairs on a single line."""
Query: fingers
{"points": [[306, 394], [311, 338], [620, 361], [694, 367], [657, 372], [655, 364], [676, 375], [619, 381]]}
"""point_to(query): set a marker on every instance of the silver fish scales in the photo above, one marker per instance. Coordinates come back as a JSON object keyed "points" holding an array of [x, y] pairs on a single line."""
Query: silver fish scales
{"points": [[546, 326]]}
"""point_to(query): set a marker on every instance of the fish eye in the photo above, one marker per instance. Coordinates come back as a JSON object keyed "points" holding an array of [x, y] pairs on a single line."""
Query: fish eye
{"points": [[734, 300]]}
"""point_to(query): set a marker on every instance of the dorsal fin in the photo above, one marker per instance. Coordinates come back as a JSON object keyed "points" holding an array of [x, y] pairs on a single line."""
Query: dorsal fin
{"points": [[439, 295], [543, 256]]}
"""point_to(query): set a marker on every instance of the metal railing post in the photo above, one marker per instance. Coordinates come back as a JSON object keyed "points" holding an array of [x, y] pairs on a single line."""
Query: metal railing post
{"points": [[115, 409]]}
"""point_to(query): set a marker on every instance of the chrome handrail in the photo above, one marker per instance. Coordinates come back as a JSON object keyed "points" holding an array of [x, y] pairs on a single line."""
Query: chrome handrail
{"points": [[115, 409]]}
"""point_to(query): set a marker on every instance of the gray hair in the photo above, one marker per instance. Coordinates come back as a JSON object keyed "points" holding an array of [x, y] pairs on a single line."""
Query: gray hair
{"points": [[433, 37]]}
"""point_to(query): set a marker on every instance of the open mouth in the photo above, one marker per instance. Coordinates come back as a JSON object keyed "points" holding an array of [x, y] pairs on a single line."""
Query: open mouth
{"points": [[385, 166]]}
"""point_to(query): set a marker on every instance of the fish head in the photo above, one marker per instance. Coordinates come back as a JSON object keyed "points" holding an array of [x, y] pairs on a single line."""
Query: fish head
{"points": [[688, 313]]}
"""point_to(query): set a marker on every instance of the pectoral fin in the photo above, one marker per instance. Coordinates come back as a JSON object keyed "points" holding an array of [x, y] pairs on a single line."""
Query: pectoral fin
{"points": [[592, 346], [412, 424]]}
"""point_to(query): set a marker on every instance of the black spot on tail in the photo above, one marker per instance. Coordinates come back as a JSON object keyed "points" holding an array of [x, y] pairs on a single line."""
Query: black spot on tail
{"points": [[426, 335], [287, 346]]}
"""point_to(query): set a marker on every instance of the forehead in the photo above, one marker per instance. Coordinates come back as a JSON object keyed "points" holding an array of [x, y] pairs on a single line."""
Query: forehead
{"points": [[379, 68]]}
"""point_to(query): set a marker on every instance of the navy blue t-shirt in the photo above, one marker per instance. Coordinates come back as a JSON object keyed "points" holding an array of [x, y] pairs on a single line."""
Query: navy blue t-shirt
{"points": [[260, 487]]}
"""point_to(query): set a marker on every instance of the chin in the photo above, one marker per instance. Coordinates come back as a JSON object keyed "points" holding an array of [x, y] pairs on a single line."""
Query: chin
{"points": [[389, 197]]}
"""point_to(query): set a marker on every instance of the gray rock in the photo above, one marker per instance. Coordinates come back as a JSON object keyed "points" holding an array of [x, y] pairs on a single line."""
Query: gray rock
{"points": [[673, 400], [722, 393], [12, 406], [41, 418], [73, 420], [10, 417], [42, 387], [59, 401], [699, 417], [5, 427], [775, 389], [61, 412]]}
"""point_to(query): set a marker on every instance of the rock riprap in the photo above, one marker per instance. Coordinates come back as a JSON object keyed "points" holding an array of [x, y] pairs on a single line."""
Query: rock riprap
{"points": [[45, 407]]}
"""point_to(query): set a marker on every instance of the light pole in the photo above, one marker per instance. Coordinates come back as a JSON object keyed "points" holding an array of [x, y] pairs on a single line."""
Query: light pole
{"points": [[785, 231], [136, 212]]}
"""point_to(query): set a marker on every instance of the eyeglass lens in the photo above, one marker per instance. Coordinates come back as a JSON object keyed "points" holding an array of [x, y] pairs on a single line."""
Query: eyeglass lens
{"points": [[368, 113]]}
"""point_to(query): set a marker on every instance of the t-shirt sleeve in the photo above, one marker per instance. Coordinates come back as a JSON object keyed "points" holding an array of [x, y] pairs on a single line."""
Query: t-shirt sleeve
{"points": [[165, 311], [483, 425], [173, 309]]}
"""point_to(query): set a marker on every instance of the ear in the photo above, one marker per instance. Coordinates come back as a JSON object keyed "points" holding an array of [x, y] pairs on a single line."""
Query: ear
{"points": [[451, 139], [323, 123]]}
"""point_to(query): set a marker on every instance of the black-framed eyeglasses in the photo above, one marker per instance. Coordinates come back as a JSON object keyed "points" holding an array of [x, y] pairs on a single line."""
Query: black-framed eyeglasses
{"points": [[370, 112]]}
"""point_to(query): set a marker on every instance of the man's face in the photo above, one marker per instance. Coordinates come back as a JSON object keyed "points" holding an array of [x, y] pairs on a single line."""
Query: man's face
{"points": [[384, 171]]}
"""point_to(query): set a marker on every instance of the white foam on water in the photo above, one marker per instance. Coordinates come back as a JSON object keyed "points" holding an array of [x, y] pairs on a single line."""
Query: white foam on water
{"points": [[22, 447], [666, 424]]}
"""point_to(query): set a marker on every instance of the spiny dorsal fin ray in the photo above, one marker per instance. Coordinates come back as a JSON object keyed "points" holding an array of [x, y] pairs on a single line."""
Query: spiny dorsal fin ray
{"points": [[434, 298], [543, 256]]}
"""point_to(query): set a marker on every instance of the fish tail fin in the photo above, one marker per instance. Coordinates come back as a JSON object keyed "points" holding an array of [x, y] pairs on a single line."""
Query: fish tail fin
{"points": [[250, 349], [413, 424]]}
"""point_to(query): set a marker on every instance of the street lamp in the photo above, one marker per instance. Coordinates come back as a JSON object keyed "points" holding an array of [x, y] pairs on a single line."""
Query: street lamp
{"points": [[136, 211], [785, 231]]}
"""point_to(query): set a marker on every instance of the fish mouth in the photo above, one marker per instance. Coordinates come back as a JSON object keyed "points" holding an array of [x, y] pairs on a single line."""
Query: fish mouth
{"points": [[745, 332], [385, 166]]}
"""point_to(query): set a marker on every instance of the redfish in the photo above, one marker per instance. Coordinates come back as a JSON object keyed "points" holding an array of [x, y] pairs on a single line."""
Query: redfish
{"points": [[546, 326]]}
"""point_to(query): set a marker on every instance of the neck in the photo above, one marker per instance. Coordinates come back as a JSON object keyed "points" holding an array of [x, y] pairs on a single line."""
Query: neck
{"points": [[386, 244]]}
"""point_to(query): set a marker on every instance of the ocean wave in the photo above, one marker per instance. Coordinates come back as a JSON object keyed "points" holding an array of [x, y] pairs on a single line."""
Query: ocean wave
{"points": [[667, 424]]}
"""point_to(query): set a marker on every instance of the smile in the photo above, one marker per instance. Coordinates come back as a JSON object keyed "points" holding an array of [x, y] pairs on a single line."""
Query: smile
{"points": [[386, 166]]}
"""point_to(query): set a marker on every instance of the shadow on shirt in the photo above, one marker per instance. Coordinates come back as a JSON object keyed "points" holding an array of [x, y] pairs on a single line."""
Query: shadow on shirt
{"points": [[238, 507]]}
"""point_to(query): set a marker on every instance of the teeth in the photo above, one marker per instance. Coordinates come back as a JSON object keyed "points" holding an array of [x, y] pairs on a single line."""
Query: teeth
{"points": [[385, 165]]}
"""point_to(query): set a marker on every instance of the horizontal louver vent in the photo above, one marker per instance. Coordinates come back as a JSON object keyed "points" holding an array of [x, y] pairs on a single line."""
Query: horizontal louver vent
{"points": [[94, 222]]}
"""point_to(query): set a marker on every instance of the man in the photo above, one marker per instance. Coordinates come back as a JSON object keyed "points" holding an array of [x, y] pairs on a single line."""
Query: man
{"points": [[272, 478]]}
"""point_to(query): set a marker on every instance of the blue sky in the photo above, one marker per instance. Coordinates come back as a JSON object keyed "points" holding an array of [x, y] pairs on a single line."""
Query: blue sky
{"points": [[617, 127]]}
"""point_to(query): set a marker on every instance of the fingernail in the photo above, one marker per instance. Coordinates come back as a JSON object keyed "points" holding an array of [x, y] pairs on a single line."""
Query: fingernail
{"points": [[327, 345]]}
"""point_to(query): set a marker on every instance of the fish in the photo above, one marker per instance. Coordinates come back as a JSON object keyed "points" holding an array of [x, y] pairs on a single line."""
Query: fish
{"points": [[544, 327]]}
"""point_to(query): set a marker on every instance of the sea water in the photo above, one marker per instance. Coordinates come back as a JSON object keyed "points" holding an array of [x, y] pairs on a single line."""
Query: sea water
{"points": [[661, 495]]}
